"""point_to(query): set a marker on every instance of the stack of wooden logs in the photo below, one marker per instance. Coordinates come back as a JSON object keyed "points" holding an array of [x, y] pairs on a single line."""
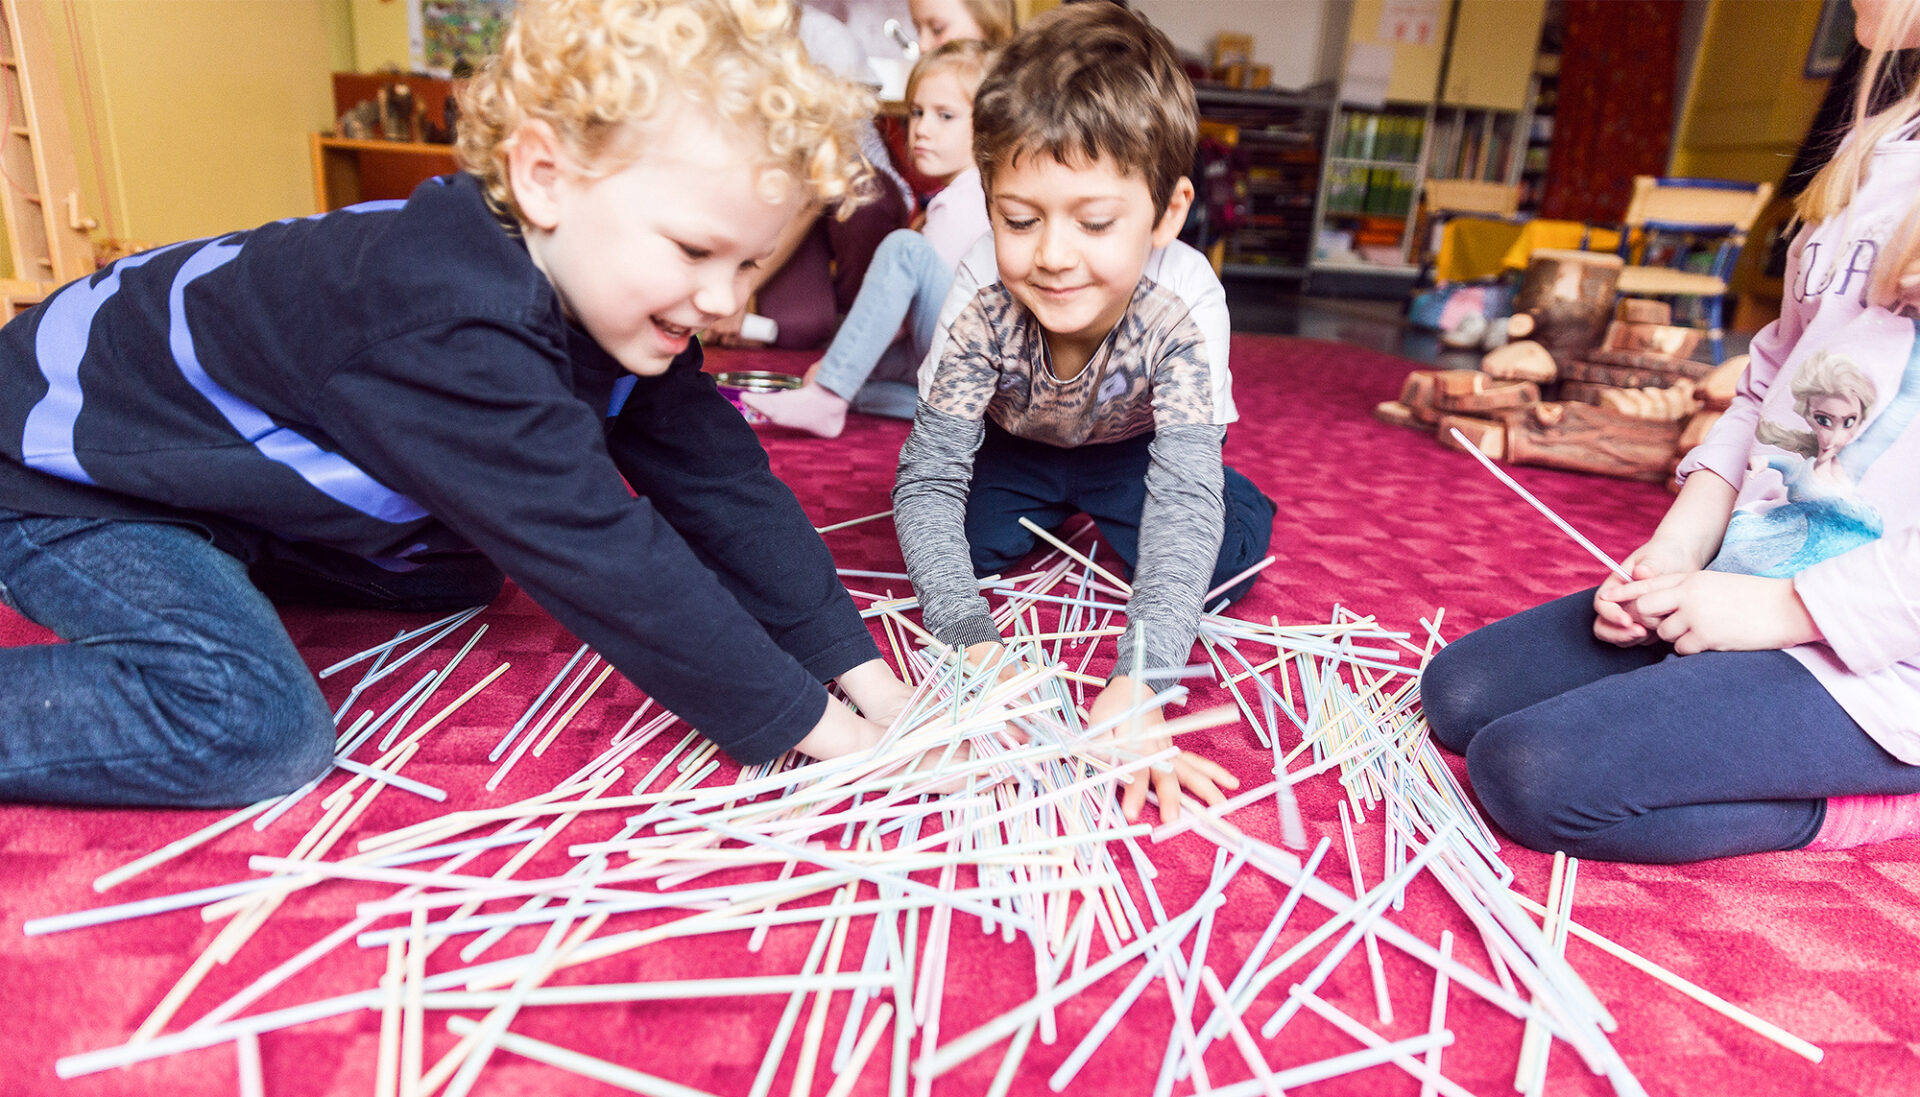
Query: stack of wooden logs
{"points": [[1630, 407]]}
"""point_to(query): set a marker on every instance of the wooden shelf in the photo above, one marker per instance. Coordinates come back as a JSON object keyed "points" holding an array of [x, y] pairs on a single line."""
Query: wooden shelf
{"points": [[347, 170]]}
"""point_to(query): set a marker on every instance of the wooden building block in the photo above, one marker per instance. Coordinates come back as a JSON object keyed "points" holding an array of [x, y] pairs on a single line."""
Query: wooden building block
{"points": [[1658, 338], [1643, 310], [1494, 396], [1395, 413], [1590, 439], [1622, 376], [1452, 383], [1417, 389], [1487, 435], [1664, 405], [1417, 394], [1525, 360], [1650, 361]]}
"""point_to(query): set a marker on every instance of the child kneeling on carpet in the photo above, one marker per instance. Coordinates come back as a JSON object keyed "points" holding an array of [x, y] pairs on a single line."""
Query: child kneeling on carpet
{"points": [[1756, 686], [870, 364], [393, 404], [1081, 361]]}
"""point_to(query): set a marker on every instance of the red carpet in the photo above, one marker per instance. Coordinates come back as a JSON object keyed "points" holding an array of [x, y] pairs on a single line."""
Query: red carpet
{"points": [[1375, 518]]}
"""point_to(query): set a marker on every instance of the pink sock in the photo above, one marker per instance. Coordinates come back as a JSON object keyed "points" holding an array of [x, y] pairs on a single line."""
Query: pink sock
{"points": [[1867, 820]]}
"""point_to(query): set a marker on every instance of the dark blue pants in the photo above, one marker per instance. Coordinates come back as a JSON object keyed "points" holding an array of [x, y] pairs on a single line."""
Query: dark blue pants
{"points": [[1638, 754], [1015, 478], [178, 685]]}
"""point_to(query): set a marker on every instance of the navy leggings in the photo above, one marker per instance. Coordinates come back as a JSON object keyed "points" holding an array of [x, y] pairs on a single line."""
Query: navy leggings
{"points": [[1639, 754], [1015, 477]]}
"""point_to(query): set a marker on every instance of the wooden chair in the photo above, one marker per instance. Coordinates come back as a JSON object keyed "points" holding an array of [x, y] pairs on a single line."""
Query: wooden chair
{"points": [[1681, 238], [1471, 196], [1442, 200]]}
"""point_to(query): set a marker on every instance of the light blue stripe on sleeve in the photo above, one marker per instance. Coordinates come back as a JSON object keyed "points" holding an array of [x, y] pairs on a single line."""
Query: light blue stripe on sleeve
{"points": [[329, 473], [60, 343]]}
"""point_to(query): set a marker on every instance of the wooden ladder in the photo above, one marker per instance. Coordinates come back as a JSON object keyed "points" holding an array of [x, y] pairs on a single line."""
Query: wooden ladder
{"points": [[45, 231]]}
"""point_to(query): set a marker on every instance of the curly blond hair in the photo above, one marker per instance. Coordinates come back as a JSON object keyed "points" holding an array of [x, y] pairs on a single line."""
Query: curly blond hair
{"points": [[594, 69]]}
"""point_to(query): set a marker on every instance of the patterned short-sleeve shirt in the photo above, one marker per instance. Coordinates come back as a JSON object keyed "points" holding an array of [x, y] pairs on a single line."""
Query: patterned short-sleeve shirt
{"points": [[1164, 364]]}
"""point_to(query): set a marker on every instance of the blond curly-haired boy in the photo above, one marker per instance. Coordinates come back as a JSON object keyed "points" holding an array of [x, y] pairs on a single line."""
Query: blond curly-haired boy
{"points": [[392, 405]]}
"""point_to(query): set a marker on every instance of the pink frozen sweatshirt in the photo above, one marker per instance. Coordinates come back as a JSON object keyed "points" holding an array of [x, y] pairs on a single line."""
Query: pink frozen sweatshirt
{"points": [[1820, 440]]}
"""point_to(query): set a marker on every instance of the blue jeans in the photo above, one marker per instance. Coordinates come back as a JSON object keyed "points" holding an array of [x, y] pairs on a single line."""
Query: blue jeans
{"points": [[1639, 754], [870, 364], [177, 686], [1016, 477]]}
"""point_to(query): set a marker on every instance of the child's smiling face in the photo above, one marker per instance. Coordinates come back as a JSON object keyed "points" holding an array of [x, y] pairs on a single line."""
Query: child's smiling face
{"points": [[1072, 241], [648, 255]]}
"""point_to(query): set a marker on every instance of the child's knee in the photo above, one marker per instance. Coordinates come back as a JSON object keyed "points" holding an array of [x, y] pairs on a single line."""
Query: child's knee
{"points": [[1247, 535], [997, 556], [1531, 786], [267, 733], [896, 247], [1453, 694]]}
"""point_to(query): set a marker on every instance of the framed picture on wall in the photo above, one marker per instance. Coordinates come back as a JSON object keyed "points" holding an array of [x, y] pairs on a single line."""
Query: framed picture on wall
{"points": [[1830, 39], [450, 36]]}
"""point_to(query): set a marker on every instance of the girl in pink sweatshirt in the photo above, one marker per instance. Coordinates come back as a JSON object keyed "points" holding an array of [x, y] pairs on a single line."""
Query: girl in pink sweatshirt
{"points": [[1756, 685]]}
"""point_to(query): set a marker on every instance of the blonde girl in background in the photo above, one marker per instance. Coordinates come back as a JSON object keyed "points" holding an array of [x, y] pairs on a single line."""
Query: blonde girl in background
{"points": [[871, 364]]}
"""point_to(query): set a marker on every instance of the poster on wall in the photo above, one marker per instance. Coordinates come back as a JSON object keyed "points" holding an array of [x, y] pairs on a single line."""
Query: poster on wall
{"points": [[449, 37], [1410, 21]]}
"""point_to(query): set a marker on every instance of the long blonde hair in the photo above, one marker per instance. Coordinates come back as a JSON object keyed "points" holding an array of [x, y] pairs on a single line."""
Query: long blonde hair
{"points": [[1836, 183]]}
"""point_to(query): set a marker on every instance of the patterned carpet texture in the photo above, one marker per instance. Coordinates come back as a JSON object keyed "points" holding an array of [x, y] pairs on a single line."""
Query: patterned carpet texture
{"points": [[1377, 519]]}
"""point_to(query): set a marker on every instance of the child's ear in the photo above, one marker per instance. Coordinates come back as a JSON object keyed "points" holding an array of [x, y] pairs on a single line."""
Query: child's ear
{"points": [[1175, 218], [536, 164]]}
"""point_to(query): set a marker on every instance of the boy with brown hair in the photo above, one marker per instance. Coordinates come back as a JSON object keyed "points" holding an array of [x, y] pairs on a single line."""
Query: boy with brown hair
{"points": [[393, 404], [1081, 360]]}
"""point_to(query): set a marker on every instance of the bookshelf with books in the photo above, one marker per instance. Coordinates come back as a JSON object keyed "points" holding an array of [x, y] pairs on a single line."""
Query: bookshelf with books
{"points": [[1370, 187]]}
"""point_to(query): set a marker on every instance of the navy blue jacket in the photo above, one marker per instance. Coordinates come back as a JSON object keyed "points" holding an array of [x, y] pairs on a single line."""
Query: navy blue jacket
{"points": [[397, 381]]}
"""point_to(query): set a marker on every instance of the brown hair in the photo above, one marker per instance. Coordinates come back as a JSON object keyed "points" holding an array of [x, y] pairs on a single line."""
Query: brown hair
{"points": [[969, 58], [1085, 82], [591, 68]]}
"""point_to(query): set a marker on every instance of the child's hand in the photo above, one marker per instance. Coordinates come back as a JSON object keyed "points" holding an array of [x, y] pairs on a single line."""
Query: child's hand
{"points": [[881, 696], [1618, 618], [1719, 611], [840, 732], [1141, 735], [988, 652]]}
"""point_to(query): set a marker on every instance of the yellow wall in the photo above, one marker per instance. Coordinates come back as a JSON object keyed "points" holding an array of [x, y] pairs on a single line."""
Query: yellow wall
{"points": [[200, 108], [380, 35], [1748, 102]]}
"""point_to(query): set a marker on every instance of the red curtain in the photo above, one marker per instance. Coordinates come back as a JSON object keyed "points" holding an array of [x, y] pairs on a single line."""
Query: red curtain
{"points": [[1615, 117]]}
